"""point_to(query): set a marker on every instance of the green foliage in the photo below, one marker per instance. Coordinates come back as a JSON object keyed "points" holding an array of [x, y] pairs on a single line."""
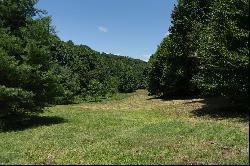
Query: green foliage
{"points": [[172, 66], [26, 78], [69, 84], [14, 14], [96, 90], [37, 69], [127, 82], [156, 66], [113, 73], [224, 52], [206, 52], [14, 99]]}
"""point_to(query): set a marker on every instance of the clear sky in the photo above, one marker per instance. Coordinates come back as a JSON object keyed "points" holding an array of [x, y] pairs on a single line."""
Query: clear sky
{"points": [[127, 27]]}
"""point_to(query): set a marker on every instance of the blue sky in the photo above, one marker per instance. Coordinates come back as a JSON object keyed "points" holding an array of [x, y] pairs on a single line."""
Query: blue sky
{"points": [[124, 27]]}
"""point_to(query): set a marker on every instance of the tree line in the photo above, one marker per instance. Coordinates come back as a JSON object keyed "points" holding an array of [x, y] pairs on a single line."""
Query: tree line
{"points": [[206, 52], [37, 69]]}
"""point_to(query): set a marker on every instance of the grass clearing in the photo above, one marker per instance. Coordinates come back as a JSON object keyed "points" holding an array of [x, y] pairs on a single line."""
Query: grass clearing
{"points": [[134, 129]]}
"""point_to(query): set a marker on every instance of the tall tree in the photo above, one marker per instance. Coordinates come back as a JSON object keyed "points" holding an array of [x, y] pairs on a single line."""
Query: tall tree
{"points": [[175, 57], [224, 50], [26, 80]]}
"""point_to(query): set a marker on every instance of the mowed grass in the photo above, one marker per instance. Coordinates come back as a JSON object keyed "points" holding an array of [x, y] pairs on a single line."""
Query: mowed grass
{"points": [[135, 129]]}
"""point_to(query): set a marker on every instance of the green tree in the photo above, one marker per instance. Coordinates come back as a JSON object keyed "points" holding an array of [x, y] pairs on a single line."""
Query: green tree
{"points": [[224, 51], [37, 69], [173, 65], [26, 79]]}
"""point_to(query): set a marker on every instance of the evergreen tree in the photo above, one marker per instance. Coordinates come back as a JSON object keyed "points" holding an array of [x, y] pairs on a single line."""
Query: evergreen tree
{"points": [[26, 80]]}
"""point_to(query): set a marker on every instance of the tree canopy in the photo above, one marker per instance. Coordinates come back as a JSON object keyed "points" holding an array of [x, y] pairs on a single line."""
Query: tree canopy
{"points": [[38, 69], [206, 53]]}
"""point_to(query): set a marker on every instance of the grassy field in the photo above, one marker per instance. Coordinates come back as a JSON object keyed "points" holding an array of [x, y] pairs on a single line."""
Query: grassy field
{"points": [[132, 129]]}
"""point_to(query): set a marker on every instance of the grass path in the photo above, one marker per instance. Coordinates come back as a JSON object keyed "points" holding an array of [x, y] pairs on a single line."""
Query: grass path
{"points": [[134, 130]]}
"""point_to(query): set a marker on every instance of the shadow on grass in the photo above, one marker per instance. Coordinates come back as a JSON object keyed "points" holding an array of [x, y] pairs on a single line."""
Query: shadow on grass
{"points": [[222, 108], [215, 107], [172, 98], [21, 122]]}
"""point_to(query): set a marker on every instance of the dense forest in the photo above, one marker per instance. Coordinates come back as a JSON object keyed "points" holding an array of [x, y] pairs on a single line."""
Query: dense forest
{"points": [[37, 69], [206, 52]]}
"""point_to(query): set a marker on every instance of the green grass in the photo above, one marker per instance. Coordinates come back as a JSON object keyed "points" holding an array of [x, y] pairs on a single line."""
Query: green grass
{"points": [[133, 129]]}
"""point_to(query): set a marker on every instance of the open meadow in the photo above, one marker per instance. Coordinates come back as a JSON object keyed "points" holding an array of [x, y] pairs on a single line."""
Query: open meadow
{"points": [[129, 129]]}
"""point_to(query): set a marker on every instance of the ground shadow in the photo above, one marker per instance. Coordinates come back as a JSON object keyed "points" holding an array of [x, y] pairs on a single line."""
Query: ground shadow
{"points": [[222, 108], [215, 107], [21, 122], [171, 98]]}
